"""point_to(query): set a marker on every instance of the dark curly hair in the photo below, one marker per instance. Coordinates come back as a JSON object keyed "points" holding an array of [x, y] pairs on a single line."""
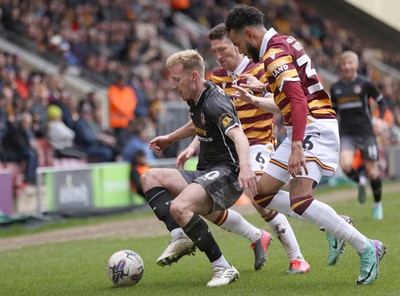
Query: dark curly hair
{"points": [[243, 16], [218, 32]]}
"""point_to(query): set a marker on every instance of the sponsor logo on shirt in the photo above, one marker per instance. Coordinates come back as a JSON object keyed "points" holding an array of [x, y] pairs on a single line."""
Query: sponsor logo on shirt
{"points": [[357, 89], [204, 139], [200, 131], [225, 119], [278, 71]]}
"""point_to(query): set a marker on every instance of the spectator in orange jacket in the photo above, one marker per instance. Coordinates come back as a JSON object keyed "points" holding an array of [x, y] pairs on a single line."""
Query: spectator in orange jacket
{"points": [[122, 104]]}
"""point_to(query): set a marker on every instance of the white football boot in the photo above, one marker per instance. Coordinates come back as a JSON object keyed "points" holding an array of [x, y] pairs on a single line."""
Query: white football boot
{"points": [[223, 276], [178, 247]]}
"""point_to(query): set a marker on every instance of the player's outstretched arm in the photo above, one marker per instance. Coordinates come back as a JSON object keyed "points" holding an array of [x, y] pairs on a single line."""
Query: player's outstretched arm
{"points": [[252, 83], [266, 103], [159, 143]]}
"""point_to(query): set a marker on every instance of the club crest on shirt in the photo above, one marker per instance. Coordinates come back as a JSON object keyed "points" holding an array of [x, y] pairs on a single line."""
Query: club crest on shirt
{"points": [[272, 55], [225, 119], [357, 89], [202, 118], [289, 40]]}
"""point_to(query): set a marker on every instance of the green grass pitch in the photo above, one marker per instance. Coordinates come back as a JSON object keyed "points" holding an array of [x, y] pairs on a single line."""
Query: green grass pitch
{"points": [[79, 267]]}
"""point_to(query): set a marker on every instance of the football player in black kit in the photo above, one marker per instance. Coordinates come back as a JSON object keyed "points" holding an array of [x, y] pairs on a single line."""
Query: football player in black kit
{"points": [[350, 99], [223, 169]]}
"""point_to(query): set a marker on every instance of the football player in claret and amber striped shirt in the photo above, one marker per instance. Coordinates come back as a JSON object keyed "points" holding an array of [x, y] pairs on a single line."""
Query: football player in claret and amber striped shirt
{"points": [[311, 148], [258, 126]]}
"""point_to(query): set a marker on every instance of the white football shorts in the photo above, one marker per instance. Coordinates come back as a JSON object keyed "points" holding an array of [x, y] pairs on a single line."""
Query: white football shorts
{"points": [[260, 155], [321, 148]]}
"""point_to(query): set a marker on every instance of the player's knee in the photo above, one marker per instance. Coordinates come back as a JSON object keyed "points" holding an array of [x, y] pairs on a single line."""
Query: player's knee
{"points": [[263, 200], [346, 167], [218, 217], [270, 215], [373, 171], [262, 211], [149, 179], [176, 209]]}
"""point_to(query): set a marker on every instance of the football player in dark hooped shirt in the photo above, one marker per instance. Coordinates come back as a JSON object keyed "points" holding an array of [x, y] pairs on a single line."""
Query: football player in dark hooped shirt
{"points": [[223, 170], [350, 99]]}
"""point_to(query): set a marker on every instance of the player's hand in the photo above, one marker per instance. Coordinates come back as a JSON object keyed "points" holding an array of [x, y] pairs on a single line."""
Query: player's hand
{"points": [[252, 83], [242, 94], [184, 156], [159, 143], [248, 180], [297, 160]]}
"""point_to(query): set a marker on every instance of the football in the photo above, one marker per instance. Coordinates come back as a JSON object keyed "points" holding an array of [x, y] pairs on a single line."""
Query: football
{"points": [[125, 268]]}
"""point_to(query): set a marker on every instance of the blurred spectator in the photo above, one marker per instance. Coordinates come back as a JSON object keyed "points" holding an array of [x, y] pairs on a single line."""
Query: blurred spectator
{"points": [[104, 136], [388, 90], [22, 83], [3, 125], [3, 117], [86, 139], [91, 99], [122, 105], [19, 145], [180, 4], [65, 103], [39, 101], [60, 136], [142, 108], [138, 140]]}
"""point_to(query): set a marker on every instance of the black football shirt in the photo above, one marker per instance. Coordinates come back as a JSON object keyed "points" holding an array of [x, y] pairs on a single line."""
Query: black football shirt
{"points": [[351, 101], [213, 116]]}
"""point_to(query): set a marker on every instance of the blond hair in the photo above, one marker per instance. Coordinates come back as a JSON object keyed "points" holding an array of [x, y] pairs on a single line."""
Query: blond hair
{"points": [[190, 60], [349, 54]]}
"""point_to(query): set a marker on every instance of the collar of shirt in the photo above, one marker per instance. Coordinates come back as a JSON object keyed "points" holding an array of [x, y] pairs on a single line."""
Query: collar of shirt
{"points": [[271, 32], [206, 85], [239, 70], [348, 82]]}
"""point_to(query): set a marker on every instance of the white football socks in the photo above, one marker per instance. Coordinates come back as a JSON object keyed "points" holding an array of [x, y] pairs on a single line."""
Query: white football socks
{"points": [[281, 204], [284, 232], [322, 214], [178, 232], [221, 261], [235, 223]]}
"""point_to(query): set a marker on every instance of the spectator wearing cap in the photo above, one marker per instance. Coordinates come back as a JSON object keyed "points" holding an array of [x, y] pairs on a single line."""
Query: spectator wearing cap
{"points": [[60, 136]]}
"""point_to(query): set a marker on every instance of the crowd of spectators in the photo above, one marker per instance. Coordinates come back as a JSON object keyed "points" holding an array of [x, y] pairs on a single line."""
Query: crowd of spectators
{"points": [[41, 120], [120, 43], [110, 38]]}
